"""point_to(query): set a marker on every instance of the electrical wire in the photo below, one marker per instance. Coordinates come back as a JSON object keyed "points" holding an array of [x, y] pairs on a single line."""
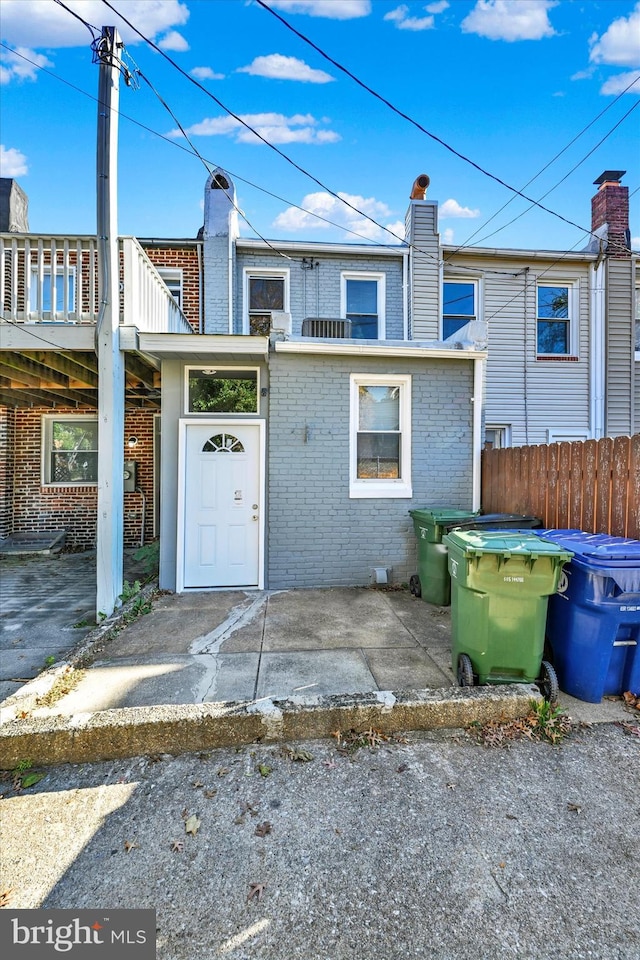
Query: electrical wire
{"points": [[93, 30], [415, 123]]}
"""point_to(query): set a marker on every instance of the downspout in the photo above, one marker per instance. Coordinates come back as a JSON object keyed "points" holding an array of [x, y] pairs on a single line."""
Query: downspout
{"points": [[634, 421], [597, 354], [230, 266], [478, 373], [200, 291], [526, 356], [405, 295]]}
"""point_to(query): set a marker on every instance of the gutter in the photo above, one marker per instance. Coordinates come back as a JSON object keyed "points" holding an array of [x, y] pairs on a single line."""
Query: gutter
{"points": [[410, 348]]}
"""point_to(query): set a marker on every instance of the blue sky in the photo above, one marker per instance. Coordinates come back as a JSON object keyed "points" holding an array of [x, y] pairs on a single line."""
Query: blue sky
{"points": [[507, 84]]}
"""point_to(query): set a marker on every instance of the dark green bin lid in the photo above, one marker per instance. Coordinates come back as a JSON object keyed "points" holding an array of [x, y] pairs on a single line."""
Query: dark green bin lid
{"points": [[441, 515], [474, 543]]}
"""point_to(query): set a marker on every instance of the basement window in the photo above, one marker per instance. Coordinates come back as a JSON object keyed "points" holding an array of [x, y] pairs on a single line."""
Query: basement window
{"points": [[69, 450]]}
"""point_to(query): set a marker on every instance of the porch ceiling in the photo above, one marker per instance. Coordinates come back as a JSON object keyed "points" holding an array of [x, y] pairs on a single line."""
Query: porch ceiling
{"points": [[46, 378]]}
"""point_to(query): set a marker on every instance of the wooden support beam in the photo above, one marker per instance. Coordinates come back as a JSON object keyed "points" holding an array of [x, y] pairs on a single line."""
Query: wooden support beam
{"points": [[32, 368], [138, 370], [18, 398], [70, 368]]}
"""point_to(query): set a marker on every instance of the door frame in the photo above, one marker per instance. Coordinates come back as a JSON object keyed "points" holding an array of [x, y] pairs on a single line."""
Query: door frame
{"points": [[216, 423]]}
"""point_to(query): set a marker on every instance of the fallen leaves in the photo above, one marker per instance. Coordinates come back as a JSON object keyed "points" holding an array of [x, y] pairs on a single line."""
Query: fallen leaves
{"points": [[192, 825], [631, 700], [263, 829], [177, 846], [542, 724], [264, 769], [629, 728], [358, 739], [300, 756], [574, 807], [130, 845], [256, 890]]}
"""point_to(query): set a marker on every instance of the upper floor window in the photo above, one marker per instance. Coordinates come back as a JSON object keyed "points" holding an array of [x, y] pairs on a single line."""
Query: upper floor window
{"points": [[265, 290], [362, 302], [63, 300], [459, 305], [69, 450], [555, 310], [172, 277]]}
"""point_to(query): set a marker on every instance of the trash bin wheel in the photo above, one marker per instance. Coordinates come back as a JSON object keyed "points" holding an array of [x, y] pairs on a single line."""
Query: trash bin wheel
{"points": [[414, 585], [548, 682], [465, 671]]}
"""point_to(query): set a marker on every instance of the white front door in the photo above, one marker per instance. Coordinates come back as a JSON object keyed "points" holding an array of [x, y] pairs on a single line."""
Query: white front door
{"points": [[222, 504]]}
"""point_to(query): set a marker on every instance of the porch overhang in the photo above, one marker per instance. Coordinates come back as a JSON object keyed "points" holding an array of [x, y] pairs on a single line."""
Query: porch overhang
{"points": [[401, 348], [197, 347]]}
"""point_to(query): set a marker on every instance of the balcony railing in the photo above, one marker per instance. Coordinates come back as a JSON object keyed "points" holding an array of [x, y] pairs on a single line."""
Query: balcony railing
{"points": [[54, 279]]}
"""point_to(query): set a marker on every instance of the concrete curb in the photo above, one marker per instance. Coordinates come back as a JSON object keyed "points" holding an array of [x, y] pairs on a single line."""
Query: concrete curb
{"points": [[138, 731]]}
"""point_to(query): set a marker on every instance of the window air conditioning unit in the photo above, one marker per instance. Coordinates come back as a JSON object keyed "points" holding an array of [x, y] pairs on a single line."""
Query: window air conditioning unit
{"points": [[326, 328], [281, 322]]}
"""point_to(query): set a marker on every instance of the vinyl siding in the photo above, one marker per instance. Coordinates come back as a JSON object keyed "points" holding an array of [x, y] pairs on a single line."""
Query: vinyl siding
{"points": [[620, 348], [422, 230]]}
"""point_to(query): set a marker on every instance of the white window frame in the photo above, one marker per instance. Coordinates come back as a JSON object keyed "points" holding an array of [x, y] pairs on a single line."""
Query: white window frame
{"points": [[220, 368], [573, 308], [381, 279], [38, 274], [48, 420], [636, 323], [268, 273], [359, 488], [505, 431], [477, 293], [173, 277]]}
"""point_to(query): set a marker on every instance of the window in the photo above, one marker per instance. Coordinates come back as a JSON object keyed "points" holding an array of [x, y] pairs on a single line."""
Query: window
{"points": [[40, 294], [380, 436], [362, 302], [172, 278], [264, 291], [459, 299], [555, 308], [496, 438], [69, 450], [226, 390]]}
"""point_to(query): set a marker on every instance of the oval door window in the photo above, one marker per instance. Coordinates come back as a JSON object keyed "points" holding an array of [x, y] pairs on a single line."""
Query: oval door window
{"points": [[223, 443]]}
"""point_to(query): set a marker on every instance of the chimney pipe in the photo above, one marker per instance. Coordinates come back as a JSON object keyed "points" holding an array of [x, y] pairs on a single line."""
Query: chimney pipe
{"points": [[419, 188]]}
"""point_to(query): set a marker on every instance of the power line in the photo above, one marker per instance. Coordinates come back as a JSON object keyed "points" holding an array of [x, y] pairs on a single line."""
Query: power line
{"points": [[415, 123]]}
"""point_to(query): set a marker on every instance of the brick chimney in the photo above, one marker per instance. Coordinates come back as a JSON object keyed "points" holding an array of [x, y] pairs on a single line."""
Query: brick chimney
{"points": [[610, 213]]}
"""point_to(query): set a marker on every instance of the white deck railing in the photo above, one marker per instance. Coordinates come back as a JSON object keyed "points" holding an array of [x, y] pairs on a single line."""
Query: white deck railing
{"points": [[54, 279]]}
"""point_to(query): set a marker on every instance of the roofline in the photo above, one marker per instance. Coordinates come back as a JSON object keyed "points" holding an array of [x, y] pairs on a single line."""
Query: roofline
{"points": [[401, 348], [310, 246], [519, 254]]}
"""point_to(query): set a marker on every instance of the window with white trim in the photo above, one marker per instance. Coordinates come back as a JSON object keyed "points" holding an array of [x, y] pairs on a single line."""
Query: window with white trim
{"points": [[380, 436], [172, 278], [69, 450], [497, 437], [362, 301], [264, 291], [459, 305], [64, 292], [556, 315]]}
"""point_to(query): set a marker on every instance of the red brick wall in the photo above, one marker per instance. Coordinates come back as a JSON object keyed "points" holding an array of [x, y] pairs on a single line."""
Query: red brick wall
{"points": [[6, 470], [37, 507], [611, 205], [186, 259]]}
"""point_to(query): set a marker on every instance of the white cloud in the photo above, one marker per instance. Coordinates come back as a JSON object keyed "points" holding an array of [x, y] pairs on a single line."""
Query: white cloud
{"points": [[404, 22], [584, 74], [438, 7], [174, 41], [15, 67], [620, 43], [294, 220], [635, 243], [206, 73], [332, 9], [12, 162], [451, 209], [447, 235], [619, 83], [510, 19], [278, 67], [274, 127], [41, 23]]}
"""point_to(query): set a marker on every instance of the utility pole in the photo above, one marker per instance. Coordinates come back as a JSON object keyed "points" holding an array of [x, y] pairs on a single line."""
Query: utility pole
{"points": [[109, 532]]}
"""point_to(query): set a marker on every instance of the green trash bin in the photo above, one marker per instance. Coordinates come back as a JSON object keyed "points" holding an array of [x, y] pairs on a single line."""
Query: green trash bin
{"points": [[500, 585], [432, 581]]}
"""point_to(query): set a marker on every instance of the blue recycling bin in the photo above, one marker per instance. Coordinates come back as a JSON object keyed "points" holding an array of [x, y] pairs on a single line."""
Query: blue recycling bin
{"points": [[593, 621]]}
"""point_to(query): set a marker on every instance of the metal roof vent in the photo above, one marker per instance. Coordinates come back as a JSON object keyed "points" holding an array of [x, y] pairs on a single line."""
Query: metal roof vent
{"points": [[326, 328]]}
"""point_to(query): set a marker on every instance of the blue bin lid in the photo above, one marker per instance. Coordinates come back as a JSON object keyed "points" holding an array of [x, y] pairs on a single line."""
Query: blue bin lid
{"points": [[597, 548]]}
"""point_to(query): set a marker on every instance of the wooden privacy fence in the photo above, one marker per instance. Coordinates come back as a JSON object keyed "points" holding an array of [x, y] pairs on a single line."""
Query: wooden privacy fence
{"points": [[591, 485]]}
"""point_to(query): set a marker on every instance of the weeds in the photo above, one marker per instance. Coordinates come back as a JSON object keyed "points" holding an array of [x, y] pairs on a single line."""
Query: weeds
{"points": [[24, 777], [130, 590], [357, 740], [149, 557], [545, 723]]}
